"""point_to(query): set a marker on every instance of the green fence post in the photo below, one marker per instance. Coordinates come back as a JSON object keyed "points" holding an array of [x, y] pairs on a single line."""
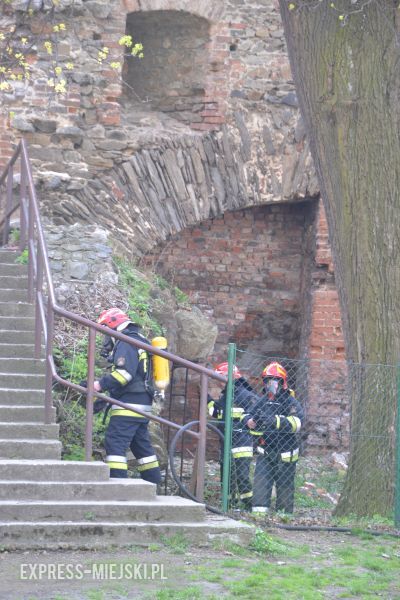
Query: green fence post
{"points": [[226, 470], [397, 477]]}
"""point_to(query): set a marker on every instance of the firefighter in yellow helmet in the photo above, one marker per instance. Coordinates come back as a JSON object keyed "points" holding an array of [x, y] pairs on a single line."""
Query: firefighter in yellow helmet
{"points": [[279, 415], [129, 382]]}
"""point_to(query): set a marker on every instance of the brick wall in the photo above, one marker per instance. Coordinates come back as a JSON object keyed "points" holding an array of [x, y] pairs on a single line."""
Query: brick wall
{"points": [[265, 276], [328, 402], [326, 341], [244, 271]]}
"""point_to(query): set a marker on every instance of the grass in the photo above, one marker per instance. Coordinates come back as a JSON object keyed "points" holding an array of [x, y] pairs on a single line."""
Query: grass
{"points": [[177, 543], [359, 569], [263, 543], [190, 593], [360, 525], [14, 236], [142, 291], [23, 258], [329, 480], [277, 582], [140, 296], [329, 565], [229, 547], [95, 595]]}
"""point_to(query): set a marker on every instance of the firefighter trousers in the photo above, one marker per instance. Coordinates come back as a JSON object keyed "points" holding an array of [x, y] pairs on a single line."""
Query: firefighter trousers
{"points": [[126, 432], [241, 456], [271, 469]]}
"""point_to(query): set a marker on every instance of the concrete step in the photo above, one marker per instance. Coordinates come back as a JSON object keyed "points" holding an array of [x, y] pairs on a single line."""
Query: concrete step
{"points": [[161, 508], [22, 365], [16, 325], [13, 268], [21, 338], [13, 295], [8, 256], [13, 282], [30, 448], [54, 470], [14, 380], [17, 431], [121, 490], [23, 413], [21, 397], [16, 309], [10, 350], [29, 535]]}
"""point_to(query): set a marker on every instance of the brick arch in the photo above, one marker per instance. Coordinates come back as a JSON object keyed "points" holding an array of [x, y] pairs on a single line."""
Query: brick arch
{"points": [[264, 276], [208, 9]]}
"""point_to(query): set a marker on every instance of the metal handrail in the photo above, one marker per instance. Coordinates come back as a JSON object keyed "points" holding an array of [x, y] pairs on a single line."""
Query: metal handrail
{"points": [[46, 308]]}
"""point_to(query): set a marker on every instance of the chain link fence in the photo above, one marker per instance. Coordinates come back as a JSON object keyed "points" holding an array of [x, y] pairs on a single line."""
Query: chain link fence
{"points": [[324, 450]]}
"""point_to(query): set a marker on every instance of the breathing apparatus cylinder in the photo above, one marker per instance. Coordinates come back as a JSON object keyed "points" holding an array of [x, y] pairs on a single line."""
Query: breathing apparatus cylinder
{"points": [[160, 365]]}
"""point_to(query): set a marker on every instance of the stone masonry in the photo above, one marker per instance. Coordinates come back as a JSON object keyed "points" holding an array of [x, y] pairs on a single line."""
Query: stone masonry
{"points": [[205, 129]]}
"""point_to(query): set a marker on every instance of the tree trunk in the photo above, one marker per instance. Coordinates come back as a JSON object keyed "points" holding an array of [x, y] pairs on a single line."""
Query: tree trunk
{"points": [[347, 74]]}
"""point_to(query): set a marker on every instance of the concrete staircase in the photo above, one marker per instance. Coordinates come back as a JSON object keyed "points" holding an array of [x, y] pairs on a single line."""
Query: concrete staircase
{"points": [[49, 503]]}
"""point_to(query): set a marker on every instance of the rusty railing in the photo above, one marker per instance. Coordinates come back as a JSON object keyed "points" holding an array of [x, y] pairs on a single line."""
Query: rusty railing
{"points": [[41, 294]]}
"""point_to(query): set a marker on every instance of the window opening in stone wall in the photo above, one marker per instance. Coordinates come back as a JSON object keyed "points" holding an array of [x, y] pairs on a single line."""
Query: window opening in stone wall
{"points": [[170, 78]]}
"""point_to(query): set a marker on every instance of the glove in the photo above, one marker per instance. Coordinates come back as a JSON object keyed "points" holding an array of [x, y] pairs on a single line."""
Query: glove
{"points": [[213, 407], [271, 423], [99, 406], [267, 423], [83, 383]]}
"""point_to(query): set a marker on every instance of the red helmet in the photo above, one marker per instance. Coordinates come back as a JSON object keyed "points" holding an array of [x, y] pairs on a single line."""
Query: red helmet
{"points": [[276, 371], [113, 317], [222, 369]]}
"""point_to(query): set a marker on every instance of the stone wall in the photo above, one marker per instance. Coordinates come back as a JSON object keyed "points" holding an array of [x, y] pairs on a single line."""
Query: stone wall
{"points": [[171, 76], [244, 78], [230, 139], [85, 278], [80, 255]]}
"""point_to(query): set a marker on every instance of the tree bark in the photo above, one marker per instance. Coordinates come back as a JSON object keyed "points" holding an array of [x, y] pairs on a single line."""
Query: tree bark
{"points": [[347, 75]]}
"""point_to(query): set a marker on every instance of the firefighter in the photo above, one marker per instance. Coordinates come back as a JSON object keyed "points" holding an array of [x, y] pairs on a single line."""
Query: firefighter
{"points": [[129, 381], [244, 399], [279, 415]]}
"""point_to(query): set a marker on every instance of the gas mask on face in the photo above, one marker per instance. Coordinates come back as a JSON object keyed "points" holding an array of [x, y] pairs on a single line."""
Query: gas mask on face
{"points": [[272, 387], [107, 347]]}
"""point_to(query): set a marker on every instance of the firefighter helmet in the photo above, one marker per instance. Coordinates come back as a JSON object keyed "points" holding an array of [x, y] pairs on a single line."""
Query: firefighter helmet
{"points": [[113, 318], [222, 369], [276, 371]]}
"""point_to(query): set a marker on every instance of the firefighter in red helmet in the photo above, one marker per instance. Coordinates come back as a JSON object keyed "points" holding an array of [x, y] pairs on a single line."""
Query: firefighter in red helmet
{"points": [[244, 398], [129, 381], [279, 415]]}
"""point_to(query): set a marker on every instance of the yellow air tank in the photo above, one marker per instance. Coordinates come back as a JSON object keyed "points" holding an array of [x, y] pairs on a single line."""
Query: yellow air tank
{"points": [[160, 365]]}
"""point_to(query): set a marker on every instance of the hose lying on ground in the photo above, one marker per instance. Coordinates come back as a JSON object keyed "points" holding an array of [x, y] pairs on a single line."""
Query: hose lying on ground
{"points": [[214, 510]]}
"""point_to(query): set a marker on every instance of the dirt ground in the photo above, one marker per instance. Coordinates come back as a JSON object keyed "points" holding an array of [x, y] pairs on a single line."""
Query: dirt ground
{"points": [[135, 573]]}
